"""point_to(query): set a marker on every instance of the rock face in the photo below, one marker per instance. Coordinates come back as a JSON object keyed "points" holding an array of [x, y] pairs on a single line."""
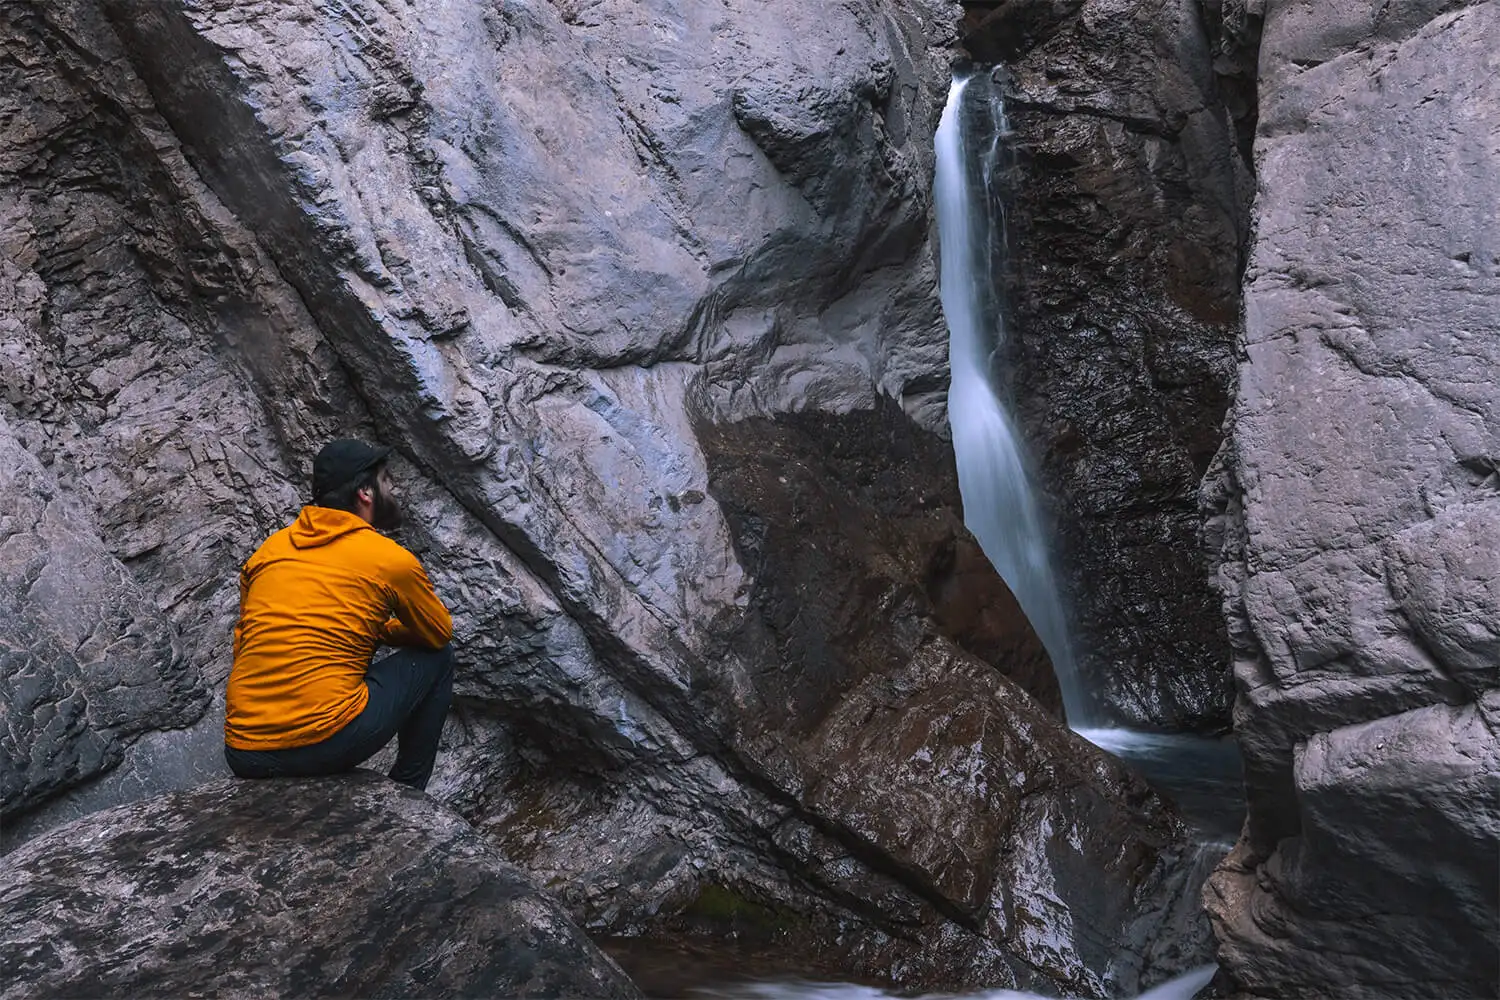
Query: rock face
{"points": [[583, 281], [1127, 199], [344, 886], [1358, 512], [882, 802], [86, 663]]}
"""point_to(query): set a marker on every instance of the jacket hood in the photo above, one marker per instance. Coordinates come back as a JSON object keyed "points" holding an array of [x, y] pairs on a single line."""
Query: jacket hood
{"points": [[320, 525]]}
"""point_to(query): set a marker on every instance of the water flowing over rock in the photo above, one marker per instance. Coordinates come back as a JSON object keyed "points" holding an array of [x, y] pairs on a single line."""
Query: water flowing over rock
{"points": [[1358, 512], [1128, 201], [629, 321], [995, 477], [345, 886]]}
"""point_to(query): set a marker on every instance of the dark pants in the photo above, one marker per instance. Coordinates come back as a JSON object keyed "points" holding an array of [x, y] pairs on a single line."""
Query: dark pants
{"points": [[409, 695]]}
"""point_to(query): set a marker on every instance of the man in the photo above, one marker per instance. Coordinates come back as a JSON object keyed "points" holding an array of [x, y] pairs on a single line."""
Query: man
{"points": [[315, 601]]}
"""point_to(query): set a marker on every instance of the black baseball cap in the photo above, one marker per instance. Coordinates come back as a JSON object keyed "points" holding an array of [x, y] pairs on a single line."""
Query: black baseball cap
{"points": [[342, 461]]}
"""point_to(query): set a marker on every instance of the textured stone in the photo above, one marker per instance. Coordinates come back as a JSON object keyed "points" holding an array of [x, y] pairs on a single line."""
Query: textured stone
{"points": [[86, 664], [1127, 203], [351, 886], [1358, 512], [986, 842]]}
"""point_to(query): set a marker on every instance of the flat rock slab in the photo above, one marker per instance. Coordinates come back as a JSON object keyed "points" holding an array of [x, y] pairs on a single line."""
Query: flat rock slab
{"points": [[341, 886]]}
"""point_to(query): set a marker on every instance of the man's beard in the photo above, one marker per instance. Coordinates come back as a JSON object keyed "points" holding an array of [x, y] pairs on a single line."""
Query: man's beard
{"points": [[386, 514]]}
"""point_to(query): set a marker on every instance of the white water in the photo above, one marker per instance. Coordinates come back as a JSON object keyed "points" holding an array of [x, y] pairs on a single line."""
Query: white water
{"points": [[1000, 504], [1184, 987]]}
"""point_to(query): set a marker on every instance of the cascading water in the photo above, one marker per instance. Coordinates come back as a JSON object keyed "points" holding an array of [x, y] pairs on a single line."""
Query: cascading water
{"points": [[1184, 987], [1000, 503]]}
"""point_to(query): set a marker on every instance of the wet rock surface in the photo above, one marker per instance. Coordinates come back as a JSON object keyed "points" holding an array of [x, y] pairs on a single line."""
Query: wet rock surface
{"points": [[944, 829], [1127, 200], [350, 886], [1357, 513]]}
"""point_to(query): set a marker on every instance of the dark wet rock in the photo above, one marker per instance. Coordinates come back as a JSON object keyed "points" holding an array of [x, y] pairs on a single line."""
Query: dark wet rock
{"points": [[347, 886], [1356, 513], [1128, 202], [851, 529]]}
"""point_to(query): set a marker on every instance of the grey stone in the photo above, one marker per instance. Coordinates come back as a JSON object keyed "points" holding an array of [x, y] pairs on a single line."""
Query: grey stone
{"points": [[354, 886], [86, 664], [1356, 511]]}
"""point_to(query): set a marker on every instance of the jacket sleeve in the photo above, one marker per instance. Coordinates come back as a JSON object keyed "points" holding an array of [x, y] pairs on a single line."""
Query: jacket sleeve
{"points": [[420, 617]]}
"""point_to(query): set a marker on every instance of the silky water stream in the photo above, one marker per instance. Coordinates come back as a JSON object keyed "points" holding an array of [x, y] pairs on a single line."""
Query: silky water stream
{"points": [[1002, 506]]}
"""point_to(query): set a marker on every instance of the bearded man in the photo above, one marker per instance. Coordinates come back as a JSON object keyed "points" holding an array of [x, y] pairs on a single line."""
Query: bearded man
{"points": [[316, 601]]}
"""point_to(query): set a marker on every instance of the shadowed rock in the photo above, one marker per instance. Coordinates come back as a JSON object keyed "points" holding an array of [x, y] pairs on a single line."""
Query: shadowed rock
{"points": [[1128, 198], [349, 886]]}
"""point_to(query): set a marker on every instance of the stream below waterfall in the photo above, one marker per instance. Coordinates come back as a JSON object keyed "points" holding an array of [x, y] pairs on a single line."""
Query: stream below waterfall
{"points": [[1200, 774], [722, 971]]}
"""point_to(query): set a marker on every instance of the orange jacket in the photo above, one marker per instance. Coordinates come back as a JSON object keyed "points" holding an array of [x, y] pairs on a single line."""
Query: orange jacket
{"points": [[315, 601]]}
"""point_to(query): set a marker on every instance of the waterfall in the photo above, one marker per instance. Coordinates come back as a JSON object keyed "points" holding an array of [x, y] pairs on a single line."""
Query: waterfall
{"points": [[1000, 503]]}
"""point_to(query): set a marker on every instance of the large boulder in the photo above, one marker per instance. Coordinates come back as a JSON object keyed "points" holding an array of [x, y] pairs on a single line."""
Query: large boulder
{"points": [[1357, 512], [1126, 193], [350, 886]]}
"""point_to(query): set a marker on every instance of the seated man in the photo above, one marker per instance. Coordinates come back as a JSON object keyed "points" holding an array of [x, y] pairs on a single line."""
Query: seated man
{"points": [[315, 600]]}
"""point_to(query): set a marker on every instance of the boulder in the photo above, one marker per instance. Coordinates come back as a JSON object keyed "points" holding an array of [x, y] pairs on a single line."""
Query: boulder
{"points": [[1356, 509], [350, 886]]}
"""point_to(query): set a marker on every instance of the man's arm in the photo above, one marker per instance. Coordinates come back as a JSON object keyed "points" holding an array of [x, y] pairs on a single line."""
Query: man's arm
{"points": [[420, 619]]}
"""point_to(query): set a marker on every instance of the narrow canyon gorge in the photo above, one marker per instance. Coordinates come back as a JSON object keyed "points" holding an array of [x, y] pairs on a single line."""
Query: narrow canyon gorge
{"points": [[653, 300]]}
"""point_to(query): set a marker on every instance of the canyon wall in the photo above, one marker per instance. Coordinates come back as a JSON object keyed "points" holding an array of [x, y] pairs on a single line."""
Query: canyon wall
{"points": [[1356, 514]]}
